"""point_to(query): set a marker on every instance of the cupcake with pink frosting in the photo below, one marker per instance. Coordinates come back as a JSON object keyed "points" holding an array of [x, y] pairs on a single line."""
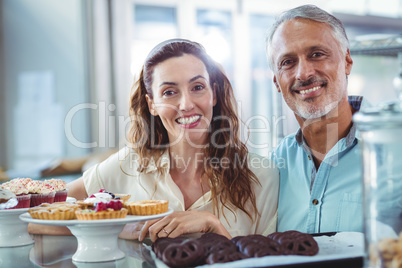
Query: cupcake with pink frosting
{"points": [[41, 192], [20, 190], [60, 187]]}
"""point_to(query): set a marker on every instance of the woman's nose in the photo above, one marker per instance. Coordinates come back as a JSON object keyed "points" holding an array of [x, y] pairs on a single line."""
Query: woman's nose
{"points": [[186, 102]]}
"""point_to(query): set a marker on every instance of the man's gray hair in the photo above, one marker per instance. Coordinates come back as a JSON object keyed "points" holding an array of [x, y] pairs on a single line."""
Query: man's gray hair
{"points": [[308, 12]]}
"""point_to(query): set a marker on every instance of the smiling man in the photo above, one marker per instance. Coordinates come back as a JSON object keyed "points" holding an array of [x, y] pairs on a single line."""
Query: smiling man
{"points": [[320, 176]]}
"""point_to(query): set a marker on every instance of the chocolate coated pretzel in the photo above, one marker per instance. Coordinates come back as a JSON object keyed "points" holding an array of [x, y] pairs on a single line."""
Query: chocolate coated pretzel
{"points": [[162, 243], [186, 254], [225, 255], [297, 243], [258, 246]]}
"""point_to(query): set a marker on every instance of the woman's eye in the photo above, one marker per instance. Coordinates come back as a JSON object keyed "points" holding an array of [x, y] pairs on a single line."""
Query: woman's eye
{"points": [[168, 93], [198, 87]]}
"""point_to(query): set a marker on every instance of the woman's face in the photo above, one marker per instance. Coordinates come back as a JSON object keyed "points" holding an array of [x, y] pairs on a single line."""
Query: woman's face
{"points": [[183, 99]]}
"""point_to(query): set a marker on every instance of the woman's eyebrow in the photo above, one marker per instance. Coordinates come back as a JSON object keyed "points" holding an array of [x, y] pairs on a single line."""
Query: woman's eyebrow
{"points": [[175, 84], [196, 77], [168, 83]]}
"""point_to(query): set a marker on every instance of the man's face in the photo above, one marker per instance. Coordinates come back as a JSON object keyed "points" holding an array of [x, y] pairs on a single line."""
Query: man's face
{"points": [[309, 67]]}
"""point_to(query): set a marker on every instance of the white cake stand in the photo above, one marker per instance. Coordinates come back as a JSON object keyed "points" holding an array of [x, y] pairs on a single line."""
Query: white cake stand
{"points": [[13, 231], [97, 239]]}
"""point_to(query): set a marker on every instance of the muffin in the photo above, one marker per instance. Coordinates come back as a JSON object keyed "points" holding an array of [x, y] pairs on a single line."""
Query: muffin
{"points": [[103, 210], [41, 192], [60, 187], [55, 211], [147, 207], [22, 194]]}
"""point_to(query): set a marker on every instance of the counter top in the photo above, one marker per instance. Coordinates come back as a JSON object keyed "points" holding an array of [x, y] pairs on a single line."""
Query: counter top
{"points": [[57, 251]]}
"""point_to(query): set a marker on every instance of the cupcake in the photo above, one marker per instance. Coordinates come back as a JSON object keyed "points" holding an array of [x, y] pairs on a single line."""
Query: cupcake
{"points": [[147, 207], [55, 211], [21, 192], [60, 188], [103, 210], [41, 192], [5, 195]]}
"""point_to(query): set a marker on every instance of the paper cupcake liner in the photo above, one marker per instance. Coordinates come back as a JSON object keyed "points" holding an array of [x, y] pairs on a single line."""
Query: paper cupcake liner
{"points": [[37, 199], [61, 196], [24, 201]]}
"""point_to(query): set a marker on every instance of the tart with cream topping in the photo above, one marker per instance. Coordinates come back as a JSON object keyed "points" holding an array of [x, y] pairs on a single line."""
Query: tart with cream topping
{"points": [[102, 196], [112, 209]]}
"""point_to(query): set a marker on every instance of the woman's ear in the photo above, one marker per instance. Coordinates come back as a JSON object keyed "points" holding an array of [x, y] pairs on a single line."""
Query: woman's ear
{"points": [[151, 105], [214, 94]]}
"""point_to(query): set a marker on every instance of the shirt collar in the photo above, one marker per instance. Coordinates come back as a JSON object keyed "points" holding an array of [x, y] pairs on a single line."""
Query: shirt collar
{"points": [[164, 163]]}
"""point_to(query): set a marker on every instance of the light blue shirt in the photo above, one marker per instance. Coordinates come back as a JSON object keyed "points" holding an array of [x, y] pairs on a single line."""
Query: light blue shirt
{"points": [[327, 199]]}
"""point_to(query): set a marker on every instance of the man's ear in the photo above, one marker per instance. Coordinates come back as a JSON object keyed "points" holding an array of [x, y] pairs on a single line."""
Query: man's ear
{"points": [[349, 63], [151, 105], [214, 94], [277, 84]]}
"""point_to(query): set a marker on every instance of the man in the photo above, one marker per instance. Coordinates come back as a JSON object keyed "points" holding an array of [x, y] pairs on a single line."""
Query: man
{"points": [[320, 176]]}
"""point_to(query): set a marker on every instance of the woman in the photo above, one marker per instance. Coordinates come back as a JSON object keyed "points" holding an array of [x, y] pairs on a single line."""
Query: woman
{"points": [[185, 147]]}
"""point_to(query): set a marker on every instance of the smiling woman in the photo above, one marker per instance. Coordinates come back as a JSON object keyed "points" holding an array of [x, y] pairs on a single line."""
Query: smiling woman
{"points": [[183, 99], [185, 148]]}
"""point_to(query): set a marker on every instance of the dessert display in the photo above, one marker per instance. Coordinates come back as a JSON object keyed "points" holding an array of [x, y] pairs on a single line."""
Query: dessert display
{"points": [[112, 209], [386, 253], [147, 207], [213, 248], [102, 196], [21, 192], [60, 187], [55, 211]]}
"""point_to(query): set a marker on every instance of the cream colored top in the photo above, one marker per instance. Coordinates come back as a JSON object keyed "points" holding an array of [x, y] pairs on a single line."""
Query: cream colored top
{"points": [[119, 174]]}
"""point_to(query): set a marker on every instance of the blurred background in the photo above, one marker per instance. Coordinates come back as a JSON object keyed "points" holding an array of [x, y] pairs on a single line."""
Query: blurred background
{"points": [[67, 68]]}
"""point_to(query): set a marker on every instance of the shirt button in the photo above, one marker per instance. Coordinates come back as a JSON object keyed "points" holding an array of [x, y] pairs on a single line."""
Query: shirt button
{"points": [[315, 202], [309, 157]]}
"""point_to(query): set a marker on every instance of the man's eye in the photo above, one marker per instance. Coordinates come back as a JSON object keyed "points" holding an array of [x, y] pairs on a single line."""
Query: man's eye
{"points": [[317, 54], [286, 63]]}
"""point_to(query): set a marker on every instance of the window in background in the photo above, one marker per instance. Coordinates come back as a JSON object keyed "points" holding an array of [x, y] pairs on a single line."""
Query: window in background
{"points": [[214, 32], [152, 24], [263, 125]]}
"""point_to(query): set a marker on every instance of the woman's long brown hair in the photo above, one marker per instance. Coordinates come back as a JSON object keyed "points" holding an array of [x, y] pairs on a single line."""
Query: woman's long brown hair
{"points": [[148, 137]]}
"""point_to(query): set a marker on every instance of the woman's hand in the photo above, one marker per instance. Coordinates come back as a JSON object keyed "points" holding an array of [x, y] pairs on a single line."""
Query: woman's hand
{"points": [[137, 230], [184, 222]]}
